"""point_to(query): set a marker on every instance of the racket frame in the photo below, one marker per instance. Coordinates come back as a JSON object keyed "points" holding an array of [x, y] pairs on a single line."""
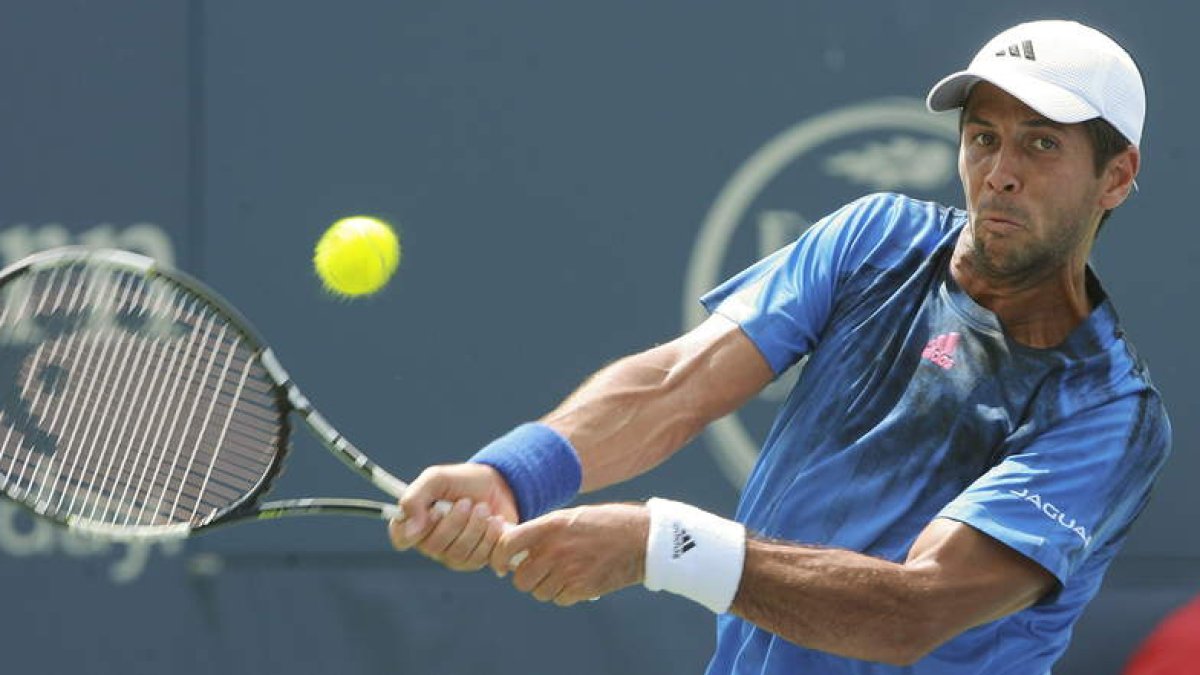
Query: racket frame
{"points": [[289, 399]]}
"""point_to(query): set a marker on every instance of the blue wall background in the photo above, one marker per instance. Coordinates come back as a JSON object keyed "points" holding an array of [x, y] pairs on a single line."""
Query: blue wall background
{"points": [[563, 176]]}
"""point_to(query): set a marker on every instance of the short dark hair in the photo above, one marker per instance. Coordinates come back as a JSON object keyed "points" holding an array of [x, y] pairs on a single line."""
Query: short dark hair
{"points": [[1107, 143]]}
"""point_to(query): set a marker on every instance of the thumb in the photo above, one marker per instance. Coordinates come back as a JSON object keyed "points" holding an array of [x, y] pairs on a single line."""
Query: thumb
{"points": [[400, 540], [420, 507], [513, 547]]}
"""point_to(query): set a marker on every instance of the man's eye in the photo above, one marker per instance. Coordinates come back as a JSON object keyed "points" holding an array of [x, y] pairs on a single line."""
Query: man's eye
{"points": [[984, 139], [1044, 143]]}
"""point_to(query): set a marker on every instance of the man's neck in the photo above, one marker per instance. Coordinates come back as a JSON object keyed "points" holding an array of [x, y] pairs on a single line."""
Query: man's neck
{"points": [[1037, 312]]}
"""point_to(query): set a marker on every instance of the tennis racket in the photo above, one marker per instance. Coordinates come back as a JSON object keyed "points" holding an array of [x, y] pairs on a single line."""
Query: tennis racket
{"points": [[136, 403]]}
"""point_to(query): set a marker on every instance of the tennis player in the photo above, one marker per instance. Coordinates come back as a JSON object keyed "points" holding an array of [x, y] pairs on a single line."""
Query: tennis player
{"points": [[963, 454]]}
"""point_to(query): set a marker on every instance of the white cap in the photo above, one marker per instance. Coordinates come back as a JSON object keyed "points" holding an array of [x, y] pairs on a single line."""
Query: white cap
{"points": [[1062, 69]]}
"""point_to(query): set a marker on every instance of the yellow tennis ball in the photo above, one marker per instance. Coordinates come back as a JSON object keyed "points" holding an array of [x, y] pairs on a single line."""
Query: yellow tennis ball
{"points": [[356, 256]]}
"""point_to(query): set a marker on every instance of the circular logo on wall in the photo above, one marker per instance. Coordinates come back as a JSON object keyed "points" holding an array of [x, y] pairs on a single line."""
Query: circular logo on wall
{"points": [[809, 170]]}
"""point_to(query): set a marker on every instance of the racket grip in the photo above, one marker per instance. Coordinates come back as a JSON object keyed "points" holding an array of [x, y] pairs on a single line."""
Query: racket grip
{"points": [[394, 512], [442, 507]]}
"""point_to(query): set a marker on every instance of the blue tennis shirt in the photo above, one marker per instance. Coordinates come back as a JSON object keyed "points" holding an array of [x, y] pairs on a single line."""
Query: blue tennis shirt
{"points": [[913, 405]]}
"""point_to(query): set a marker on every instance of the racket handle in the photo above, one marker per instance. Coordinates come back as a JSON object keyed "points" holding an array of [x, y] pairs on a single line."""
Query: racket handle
{"points": [[442, 507], [394, 512]]}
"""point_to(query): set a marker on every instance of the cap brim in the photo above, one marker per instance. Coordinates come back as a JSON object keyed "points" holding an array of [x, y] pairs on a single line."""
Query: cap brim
{"points": [[951, 92], [1054, 102]]}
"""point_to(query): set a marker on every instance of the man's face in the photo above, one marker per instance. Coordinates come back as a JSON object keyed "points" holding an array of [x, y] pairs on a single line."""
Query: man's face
{"points": [[1032, 191]]}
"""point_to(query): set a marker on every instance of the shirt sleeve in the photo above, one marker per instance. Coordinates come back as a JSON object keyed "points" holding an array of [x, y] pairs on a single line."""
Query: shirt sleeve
{"points": [[1074, 488], [784, 301]]}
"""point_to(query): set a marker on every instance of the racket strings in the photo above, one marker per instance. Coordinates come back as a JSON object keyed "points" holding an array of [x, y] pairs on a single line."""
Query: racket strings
{"points": [[66, 355], [175, 413], [137, 404], [90, 413]]}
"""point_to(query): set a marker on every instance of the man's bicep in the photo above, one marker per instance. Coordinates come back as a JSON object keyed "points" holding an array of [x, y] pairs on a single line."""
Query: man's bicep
{"points": [[719, 366], [635, 413], [974, 577], [1074, 489]]}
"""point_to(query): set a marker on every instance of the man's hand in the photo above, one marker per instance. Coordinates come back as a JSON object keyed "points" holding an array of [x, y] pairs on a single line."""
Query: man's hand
{"points": [[576, 554], [463, 538]]}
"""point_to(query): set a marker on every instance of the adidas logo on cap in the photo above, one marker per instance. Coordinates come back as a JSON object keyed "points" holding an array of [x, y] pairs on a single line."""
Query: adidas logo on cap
{"points": [[1025, 49]]}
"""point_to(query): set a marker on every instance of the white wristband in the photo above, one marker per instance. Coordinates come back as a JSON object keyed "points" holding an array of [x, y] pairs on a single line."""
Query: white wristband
{"points": [[694, 553]]}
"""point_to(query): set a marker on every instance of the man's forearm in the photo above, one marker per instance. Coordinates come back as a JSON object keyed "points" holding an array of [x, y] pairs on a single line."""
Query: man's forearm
{"points": [[837, 601], [626, 419]]}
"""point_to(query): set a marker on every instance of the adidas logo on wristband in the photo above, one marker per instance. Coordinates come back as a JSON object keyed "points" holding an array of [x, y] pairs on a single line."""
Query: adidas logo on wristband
{"points": [[708, 574], [683, 541]]}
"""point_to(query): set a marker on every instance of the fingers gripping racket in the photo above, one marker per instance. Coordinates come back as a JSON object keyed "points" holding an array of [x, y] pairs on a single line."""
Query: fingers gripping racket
{"points": [[135, 402]]}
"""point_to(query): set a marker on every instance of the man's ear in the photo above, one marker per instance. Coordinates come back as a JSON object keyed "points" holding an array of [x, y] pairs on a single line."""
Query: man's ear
{"points": [[1119, 176]]}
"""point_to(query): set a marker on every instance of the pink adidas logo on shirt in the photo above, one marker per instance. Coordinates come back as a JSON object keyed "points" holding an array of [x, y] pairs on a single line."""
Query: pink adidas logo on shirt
{"points": [[940, 350]]}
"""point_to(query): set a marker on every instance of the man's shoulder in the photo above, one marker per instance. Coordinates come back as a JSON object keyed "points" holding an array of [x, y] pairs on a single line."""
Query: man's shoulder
{"points": [[1112, 387], [908, 211], [893, 222]]}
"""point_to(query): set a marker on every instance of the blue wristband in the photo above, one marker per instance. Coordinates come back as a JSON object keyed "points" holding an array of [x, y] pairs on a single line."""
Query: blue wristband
{"points": [[540, 466]]}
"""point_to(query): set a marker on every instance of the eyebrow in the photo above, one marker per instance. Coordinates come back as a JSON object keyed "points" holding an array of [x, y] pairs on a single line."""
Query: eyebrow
{"points": [[1035, 122]]}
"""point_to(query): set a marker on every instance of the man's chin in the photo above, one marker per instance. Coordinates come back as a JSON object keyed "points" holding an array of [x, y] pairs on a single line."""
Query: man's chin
{"points": [[1002, 258]]}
